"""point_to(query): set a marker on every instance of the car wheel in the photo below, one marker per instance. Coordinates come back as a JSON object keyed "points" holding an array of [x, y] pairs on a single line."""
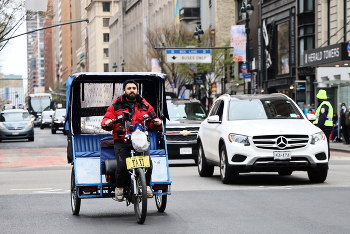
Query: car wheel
{"points": [[318, 176], [227, 176], [41, 126], [31, 139], [285, 173], [204, 170], [53, 131]]}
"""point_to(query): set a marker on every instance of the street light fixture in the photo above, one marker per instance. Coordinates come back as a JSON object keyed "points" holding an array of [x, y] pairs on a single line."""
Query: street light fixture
{"points": [[197, 34], [247, 9], [115, 66]]}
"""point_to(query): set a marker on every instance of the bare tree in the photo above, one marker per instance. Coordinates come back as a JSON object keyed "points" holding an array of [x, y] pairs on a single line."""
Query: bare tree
{"points": [[166, 36], [12, 15]]}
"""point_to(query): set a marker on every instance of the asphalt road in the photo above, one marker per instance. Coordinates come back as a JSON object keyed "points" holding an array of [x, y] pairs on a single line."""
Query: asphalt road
{"points": [[35, 198]]}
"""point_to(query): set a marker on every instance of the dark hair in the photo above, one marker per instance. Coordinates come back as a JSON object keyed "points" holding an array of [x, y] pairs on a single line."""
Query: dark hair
{"points": [[129, 82], [343, 104]]}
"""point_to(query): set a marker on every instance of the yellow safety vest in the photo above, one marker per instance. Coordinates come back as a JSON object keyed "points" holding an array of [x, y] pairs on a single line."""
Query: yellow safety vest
{"points": [[329, 121]]}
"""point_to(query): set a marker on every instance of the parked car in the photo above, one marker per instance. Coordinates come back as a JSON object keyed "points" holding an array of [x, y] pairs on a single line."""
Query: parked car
{"points": [[58, 120], [16, 124], [181, 131], [45, 119], [260, 133]]}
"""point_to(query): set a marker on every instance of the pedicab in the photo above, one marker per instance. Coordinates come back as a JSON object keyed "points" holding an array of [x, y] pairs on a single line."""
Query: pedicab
{"points": [[90, 148]]}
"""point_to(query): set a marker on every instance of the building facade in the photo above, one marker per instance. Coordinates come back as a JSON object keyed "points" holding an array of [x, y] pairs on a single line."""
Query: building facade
{"points": [[326, 65]]}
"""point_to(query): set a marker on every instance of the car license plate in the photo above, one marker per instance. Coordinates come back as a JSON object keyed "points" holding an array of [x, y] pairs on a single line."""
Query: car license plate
{"points": [[137, 161], [281, 155], [15, 133], [187, 150]]}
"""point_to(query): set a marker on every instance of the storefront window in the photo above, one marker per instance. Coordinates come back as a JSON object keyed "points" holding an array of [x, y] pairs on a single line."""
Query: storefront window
{"points": [[283, 48]]}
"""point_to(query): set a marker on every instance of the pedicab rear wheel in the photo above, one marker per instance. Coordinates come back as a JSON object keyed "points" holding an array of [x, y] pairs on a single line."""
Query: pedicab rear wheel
{"points": [[75, 201], [140, 198], [161, 201]]}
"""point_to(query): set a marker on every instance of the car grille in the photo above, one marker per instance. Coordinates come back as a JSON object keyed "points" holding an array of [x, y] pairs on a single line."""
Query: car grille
{"points": [[12, 128], [281, 142], [181, 138], [190, 129], [181, 134]]}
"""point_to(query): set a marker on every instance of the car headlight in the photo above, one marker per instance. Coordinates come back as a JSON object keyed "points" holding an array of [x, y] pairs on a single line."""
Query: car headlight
{"points": [[2, 126], [30, 125], [241, 139], [317, 137]]}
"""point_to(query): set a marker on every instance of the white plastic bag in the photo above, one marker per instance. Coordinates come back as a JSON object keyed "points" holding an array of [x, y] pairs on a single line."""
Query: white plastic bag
{"points": [[139, 141]]}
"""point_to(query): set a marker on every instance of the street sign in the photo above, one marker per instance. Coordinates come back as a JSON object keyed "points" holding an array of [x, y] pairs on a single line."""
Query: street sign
{"points": [[188, 56]]}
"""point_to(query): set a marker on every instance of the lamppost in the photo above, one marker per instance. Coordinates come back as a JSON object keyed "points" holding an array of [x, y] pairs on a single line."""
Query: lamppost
{"points": [[199, 31], [115, 66], [123, 63], [247, 10]]}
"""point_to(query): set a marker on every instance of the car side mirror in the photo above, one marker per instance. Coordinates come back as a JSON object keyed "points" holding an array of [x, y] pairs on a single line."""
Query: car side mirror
{"points": [[213, 119]]}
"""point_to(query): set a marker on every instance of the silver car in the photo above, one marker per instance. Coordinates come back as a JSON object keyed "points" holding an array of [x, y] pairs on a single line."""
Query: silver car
{"points": [[16, 124]]}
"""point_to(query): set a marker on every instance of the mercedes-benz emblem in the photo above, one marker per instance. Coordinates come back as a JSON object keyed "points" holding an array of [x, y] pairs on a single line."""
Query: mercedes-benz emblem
{"points": [[281, 142]]}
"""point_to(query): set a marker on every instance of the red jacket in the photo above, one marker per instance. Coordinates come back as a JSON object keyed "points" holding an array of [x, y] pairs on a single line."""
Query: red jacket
{"points": [[141, 108]]}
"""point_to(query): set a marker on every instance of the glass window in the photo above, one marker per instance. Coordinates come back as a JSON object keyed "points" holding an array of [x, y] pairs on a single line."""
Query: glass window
{"points": [[106, 37], [105, 22], [306, 5], [182, 111], [266, 108], [215, 107], [309, 29], [105, 67], [309, 43], [106, 6], [105, 53], [14, 116], [283, 48], [301, 51], [301, 31]]}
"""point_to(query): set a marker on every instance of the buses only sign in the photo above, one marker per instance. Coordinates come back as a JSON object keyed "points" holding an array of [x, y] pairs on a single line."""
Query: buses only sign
{"points": [[188, 56]]}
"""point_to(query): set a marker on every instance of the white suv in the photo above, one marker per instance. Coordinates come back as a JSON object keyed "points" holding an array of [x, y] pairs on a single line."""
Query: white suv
{"points": [[260, 133]]}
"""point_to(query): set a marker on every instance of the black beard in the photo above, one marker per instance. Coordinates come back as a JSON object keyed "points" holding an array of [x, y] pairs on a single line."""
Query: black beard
{"points": [[130, 98]]}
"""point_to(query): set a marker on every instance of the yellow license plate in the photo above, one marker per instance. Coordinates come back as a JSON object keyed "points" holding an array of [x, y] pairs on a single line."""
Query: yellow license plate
{"points": [[137, 161]]}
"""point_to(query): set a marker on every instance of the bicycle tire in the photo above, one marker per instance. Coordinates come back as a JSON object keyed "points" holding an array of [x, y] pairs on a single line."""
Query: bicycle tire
{"points": [[140, 198]]}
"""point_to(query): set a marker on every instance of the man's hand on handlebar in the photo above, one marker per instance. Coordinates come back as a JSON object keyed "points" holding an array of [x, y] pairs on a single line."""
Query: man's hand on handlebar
{"points": [[109, 122], [157, 122]]}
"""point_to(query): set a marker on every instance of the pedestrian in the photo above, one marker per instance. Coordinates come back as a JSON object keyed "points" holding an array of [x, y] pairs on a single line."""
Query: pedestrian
{"points": [[334, 134], [324, 115], [344, 123], [138, 107]]}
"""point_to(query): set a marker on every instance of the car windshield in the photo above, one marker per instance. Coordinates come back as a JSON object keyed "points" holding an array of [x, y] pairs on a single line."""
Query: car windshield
{"points": [[271, 108], [14, 117], [191, 110]]}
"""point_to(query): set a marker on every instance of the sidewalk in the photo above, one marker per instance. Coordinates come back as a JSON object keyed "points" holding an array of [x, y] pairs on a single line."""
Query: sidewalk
{"points": [[339, 146]]}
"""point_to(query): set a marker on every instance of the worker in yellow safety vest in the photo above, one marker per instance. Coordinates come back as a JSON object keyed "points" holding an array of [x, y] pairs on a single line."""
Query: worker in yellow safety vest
{"points": [[324, 114]]}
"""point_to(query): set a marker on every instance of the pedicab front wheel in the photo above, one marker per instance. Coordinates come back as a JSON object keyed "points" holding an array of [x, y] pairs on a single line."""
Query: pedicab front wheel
{"points": [[140, 198], [75, 201]]}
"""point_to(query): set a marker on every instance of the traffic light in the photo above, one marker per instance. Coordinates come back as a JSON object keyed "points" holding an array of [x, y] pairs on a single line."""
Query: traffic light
{"points": [[232, 71]]}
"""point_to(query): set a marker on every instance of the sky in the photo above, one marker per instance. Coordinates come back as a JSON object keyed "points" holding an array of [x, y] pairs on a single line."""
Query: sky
{"points": [[13, 58]]}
